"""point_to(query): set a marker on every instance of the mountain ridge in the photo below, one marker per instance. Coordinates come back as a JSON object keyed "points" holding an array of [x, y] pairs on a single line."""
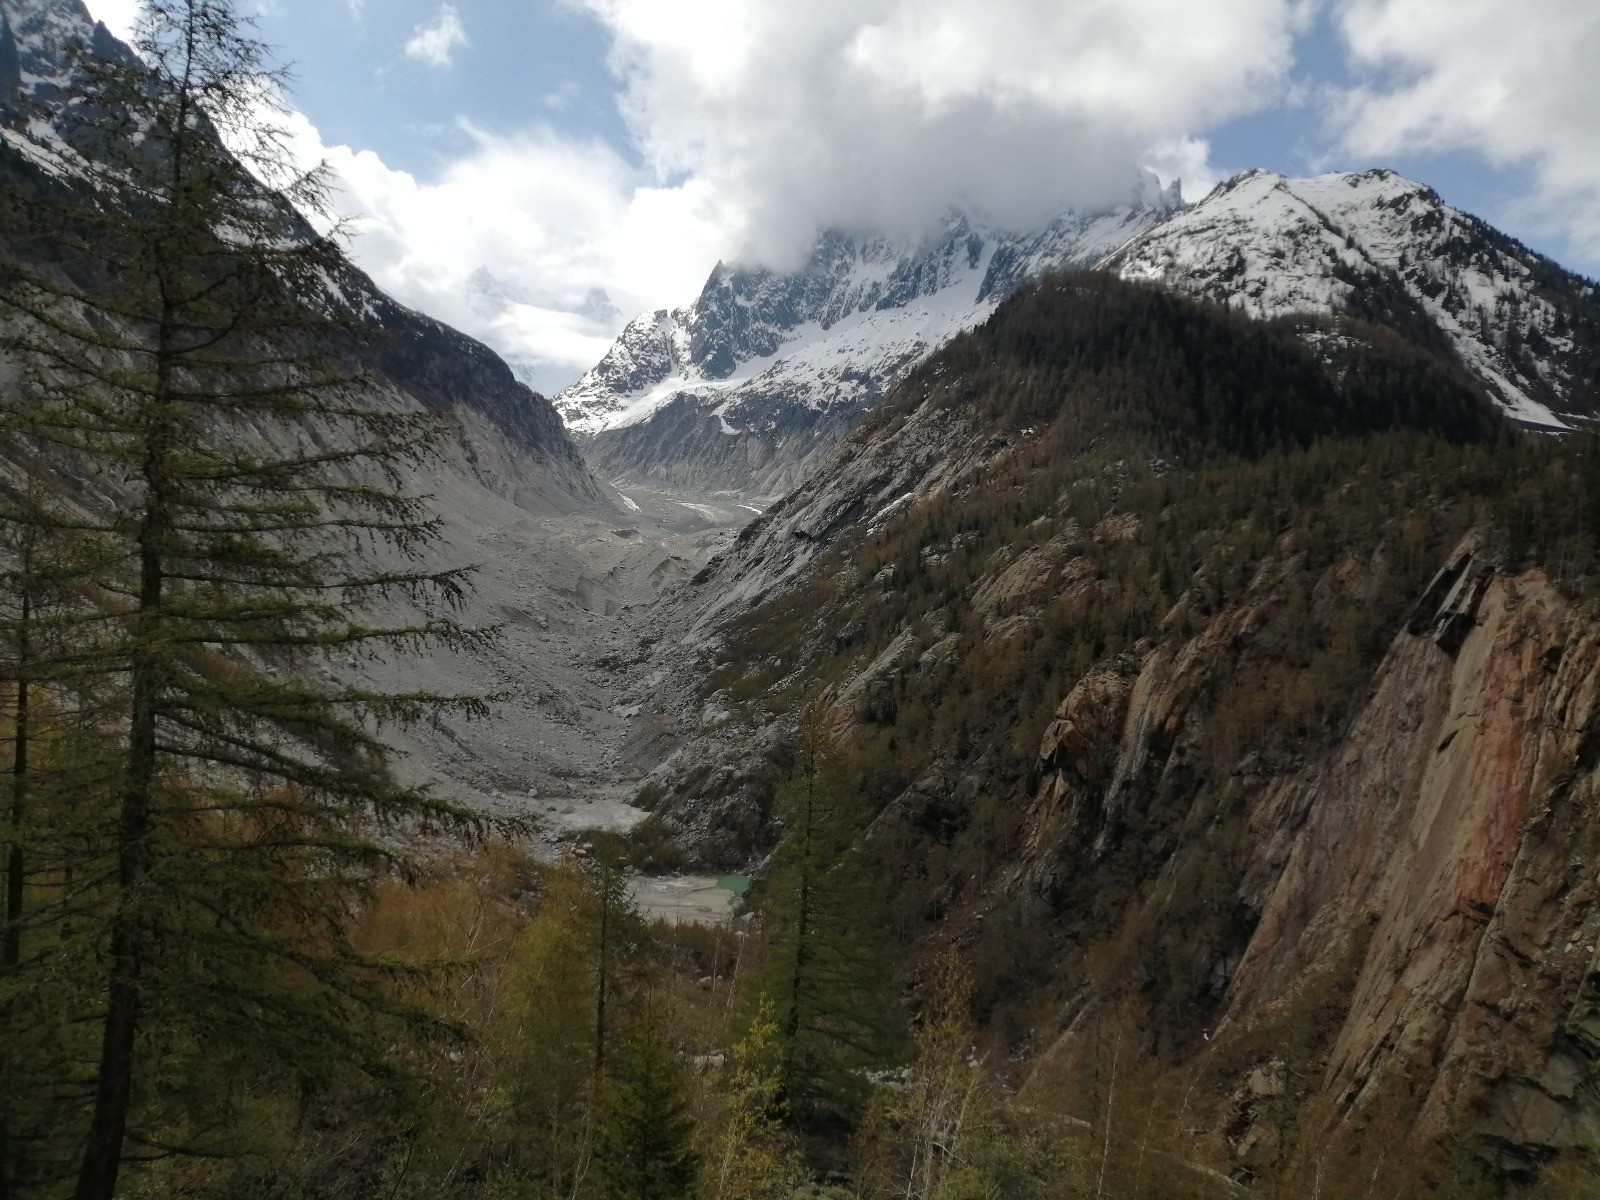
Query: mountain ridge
{"points": [[750, 313], [516, 506], [1339, 242], [437, 364], [747, 387]]}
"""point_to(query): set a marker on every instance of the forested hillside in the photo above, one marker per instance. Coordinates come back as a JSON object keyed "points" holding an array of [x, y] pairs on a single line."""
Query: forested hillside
{"points": [[1110, 608]]}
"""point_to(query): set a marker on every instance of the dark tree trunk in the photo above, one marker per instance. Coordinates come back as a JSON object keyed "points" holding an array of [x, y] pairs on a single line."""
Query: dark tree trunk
{"points": [[792, 1018], [604, 972], [102, 1157], [16, 860]]}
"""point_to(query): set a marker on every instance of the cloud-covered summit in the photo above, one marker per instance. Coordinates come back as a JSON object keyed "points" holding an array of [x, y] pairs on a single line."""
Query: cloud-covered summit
{"points": [[880, 115], [748, 126]]}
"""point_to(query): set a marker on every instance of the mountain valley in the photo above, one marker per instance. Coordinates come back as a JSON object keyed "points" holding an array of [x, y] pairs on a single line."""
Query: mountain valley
{"points": [[567, 566], [1105, 711], [1168, 725]]}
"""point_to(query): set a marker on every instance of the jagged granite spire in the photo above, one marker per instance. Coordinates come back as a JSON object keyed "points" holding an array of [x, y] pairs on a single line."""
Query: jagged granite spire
{"points": [[750, 383]]}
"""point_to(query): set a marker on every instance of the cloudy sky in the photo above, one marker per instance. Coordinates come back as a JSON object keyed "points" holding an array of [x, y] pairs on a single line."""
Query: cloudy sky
{"points": [[538, 171]]}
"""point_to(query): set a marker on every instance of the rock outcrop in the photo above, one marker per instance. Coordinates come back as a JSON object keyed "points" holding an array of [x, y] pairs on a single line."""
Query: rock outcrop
{"points": [[1450, 831]]}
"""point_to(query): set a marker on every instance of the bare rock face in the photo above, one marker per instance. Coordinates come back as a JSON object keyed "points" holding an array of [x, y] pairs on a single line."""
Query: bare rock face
{"points": [[1078, 748], [1437, 817], [1085, 723], [1450, 832]]}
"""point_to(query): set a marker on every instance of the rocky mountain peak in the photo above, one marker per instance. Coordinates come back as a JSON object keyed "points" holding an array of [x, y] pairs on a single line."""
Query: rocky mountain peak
{"points": [[765, 369], [44, 35], [748, 384], [1380, 245]]}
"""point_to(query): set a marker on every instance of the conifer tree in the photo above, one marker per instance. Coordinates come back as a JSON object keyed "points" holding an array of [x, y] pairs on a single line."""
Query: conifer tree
{"points": [[644, 1137], [26, 594], [945, 1098], [52, 781], [611, 926], [544, 1047], [571, 983], [188, 339], [826, 961], [1586, 449], [943, 1134]]}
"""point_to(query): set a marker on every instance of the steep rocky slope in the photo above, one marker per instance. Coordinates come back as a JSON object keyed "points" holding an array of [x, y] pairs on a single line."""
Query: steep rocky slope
{"points": [[1457, 839], [1434, 858], [564, 562], [1228, 691], [434, 365], [749, 386]]}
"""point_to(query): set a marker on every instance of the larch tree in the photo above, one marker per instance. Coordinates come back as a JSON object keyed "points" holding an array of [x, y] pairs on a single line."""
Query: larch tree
{"points": [[192, 346], [556, 1034], [946, 1096], [610, 924], [825, 958], [751, 1156]]}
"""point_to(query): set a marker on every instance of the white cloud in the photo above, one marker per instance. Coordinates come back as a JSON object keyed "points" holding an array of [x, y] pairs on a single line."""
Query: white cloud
{"points": [[1187, 158], [563, 96], [880, 114], [553, 219], [1517, 86], [762, 121], [117, 15], [437, 41]]}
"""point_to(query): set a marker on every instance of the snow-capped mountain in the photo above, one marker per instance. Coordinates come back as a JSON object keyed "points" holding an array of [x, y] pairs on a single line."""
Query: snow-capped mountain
{"points": [[747, 386], [37, 43], [1377, 245]]}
